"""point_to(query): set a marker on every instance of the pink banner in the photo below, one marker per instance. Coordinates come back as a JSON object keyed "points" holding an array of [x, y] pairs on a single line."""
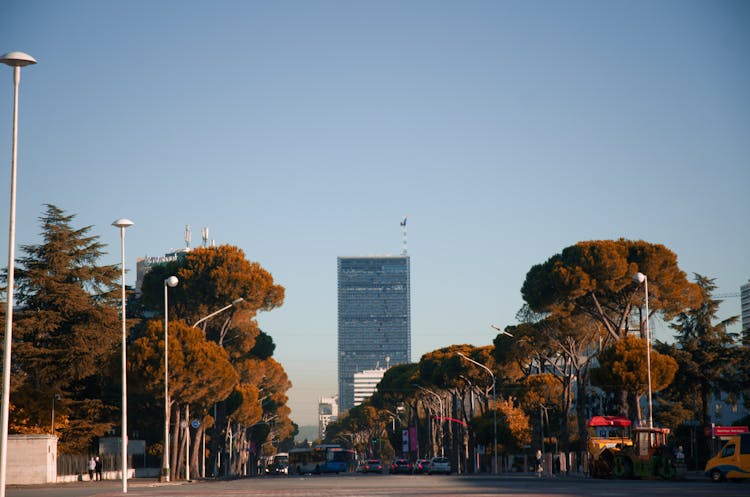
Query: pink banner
{"points": [[413, 438]]}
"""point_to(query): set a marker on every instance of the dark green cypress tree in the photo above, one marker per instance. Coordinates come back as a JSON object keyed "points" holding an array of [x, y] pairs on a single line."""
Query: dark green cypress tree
{"points": [[66, 335]]}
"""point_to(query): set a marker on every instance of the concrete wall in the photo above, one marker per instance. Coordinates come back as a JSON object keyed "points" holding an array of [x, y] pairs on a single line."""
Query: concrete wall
{"points": [[31, 459]]}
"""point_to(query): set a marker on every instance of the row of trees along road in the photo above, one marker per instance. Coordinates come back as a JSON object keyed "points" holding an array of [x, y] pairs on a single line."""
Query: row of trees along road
{"points": [[578, 350], [67, 343]]}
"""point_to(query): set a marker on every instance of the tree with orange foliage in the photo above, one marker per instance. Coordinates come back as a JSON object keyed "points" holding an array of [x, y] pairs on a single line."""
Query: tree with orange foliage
{"points": [[200, 374], [623, 367], [513, 427], [210, 279], [596, 278], [447, 370]]}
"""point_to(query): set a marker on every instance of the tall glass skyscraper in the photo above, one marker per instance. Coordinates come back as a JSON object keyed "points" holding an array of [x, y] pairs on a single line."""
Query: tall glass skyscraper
{"points": [[374, 317]]}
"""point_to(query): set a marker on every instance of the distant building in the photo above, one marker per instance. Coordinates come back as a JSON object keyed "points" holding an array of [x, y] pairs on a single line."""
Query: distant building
{"points": [[374, 317], [745, 306], [365, 383], [328, 412], [144, 264]]}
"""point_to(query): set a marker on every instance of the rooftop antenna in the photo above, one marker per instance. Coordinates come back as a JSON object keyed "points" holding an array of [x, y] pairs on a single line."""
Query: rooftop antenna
{"points": [[204, 235], [187, 235], [388, 360], [403, 230]]}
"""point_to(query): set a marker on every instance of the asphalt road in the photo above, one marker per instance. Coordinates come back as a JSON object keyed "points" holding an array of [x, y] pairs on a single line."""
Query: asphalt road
{"points": [[392, 486]]}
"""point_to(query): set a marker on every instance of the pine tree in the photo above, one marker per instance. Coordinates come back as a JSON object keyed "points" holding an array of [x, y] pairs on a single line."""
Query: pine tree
{"points": [[65, 333], [709, 356]]}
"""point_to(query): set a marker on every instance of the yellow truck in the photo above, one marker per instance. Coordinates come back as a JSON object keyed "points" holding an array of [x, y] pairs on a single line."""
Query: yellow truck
{"points": [[733, 460]]}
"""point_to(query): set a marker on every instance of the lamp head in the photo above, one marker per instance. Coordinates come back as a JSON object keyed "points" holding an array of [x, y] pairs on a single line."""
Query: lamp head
{"points": [[123, 223], [17, 59], [171, 281], [639, 277]]}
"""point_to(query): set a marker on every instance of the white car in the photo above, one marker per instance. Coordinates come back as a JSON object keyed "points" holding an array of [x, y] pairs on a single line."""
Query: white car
{"points": [[440, 465]]}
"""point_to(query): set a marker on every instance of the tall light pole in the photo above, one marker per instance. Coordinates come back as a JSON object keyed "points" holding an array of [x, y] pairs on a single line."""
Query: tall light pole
{"points": [[169, 282], [16, 60], [494, 411], [642, 278], [123, 223]]}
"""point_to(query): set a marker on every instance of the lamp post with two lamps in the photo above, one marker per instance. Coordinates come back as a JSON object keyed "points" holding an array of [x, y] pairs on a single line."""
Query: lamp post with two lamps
{"points": [[16, 60], [494, 411], [169, 282], [123, 224]]}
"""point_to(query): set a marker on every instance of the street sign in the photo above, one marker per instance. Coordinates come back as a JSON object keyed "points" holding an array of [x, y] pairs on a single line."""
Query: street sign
{"points": [[195, 424], [724, 431]]}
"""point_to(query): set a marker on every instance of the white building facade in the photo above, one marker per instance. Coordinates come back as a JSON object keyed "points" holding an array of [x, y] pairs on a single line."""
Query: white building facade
{"points": [[365, 383]]}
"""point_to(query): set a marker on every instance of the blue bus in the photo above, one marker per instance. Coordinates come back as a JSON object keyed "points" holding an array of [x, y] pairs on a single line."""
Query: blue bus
{"points": [[321, 459]]}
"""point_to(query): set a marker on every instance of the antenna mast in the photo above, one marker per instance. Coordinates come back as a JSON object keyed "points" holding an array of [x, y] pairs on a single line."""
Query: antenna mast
{"points": [[204, 235], [403, 230]]}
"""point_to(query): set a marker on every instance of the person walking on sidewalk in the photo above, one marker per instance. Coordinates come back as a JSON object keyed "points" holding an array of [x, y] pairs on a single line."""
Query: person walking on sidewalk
{"points": [[539, 464]]}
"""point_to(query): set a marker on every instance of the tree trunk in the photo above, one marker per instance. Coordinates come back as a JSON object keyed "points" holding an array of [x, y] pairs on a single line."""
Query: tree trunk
{"points": [[217, 436], [175, 435], [624, 404], [582, 405], [196, 453], [567, 404]]}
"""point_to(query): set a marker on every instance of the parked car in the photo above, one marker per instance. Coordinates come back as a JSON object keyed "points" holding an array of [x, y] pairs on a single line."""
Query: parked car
{"points": [[401, 466], [440, 465], [373, 466], [421, 466]]}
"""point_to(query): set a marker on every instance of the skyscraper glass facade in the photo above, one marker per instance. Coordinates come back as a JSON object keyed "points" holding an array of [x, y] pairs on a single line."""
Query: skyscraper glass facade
{"points": [[374, 317]]}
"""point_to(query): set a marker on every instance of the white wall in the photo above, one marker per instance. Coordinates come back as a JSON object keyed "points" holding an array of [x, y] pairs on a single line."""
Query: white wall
{"points": [[31, 459]]}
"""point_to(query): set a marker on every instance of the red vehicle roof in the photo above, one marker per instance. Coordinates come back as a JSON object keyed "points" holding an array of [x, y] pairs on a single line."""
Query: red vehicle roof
{"points": [[609, 421]]}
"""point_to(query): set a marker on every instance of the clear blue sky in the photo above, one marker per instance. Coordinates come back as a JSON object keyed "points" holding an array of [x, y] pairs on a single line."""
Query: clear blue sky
{"points": [[304, 130]]}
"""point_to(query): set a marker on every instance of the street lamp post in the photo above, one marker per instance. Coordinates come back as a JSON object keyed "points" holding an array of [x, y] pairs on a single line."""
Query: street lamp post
{"points": [[169, 282], [494, 411], [642, 278], [123, 223], [16, 60]]}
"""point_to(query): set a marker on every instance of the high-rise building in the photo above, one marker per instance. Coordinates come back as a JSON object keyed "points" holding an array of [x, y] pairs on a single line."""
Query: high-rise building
{"points": [[374, 317], [328, 412], [745, 306]]}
